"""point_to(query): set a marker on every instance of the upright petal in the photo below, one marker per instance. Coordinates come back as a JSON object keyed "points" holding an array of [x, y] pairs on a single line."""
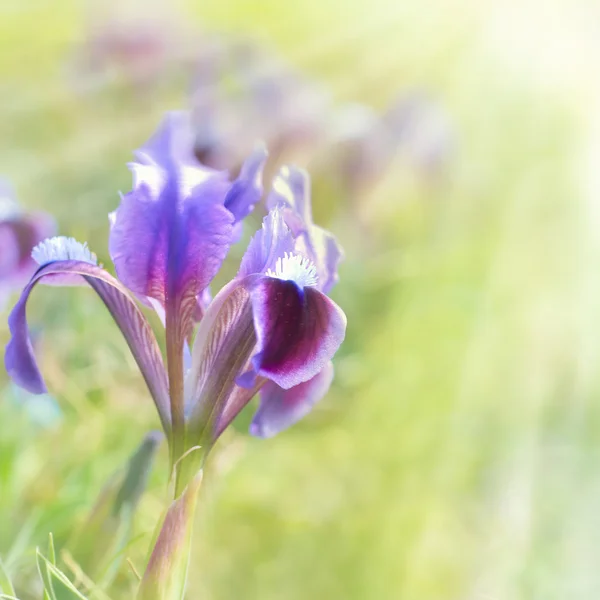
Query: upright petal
{"points": [[291, 189], [20, 360], [271, 242], [247, 189], [298, 331], [171, 233], [291, 192], [169, 155], [224, 344], [169, 238], [279, 408], [324, 250]]}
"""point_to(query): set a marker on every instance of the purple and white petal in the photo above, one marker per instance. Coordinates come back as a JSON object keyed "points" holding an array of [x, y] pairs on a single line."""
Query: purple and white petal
{"points": [[291, 192], [65, 261], [291, 188], [298, 329], [169, 155], [270, 243], [279, 408], [171, 233], [326, 254]]}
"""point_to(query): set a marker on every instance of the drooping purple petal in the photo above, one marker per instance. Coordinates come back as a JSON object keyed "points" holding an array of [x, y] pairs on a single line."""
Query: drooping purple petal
{"points": [[298, 331], [279, 408], [20, 360], [247, 189], [271, 242]]}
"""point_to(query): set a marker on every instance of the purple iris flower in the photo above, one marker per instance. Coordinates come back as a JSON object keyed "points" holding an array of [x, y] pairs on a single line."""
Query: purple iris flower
{"points": [[19, 233], [271, 329]]}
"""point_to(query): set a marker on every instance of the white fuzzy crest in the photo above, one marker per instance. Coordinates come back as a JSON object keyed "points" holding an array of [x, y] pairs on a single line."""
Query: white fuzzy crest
{"points": [[62, 248], [296, 268]]}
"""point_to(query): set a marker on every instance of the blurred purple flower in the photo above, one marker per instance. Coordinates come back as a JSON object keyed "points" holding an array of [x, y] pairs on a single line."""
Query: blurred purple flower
{"points": [[140, 49], [272, 325], [363, 144], [359, 149], [19, 233], [243, 94], [421, 127]]}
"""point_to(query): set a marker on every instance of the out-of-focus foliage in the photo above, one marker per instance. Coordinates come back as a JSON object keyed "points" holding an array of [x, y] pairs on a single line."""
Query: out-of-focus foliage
{"points": [[455, 456]]}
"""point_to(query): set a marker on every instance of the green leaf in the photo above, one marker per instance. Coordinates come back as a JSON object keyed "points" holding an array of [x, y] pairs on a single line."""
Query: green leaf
{"points": [[6, 587], [42, 565], [63, 588], [51, 552], [57, 585], [98, 547]]}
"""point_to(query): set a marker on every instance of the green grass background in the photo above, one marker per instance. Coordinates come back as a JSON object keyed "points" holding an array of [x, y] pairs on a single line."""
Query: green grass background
{"points": [[457, 454]]}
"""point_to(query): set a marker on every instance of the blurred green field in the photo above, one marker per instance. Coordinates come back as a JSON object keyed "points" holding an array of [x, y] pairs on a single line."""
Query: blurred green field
{"points": [[457, 455]]}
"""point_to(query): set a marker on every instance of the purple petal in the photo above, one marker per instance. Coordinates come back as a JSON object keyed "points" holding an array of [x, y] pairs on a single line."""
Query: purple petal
{"points": [[298, 331], [324, 250], [247, 189], [239, 397], [169, 156], [20, 360], [271, 242], [291, 192], [169, 237], [170, 234], [291, 189], [202, 303], [224, 344], [279, 408]]}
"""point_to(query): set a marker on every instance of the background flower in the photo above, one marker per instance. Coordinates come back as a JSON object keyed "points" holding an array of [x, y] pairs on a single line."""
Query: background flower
{"points": [[19, 233]]}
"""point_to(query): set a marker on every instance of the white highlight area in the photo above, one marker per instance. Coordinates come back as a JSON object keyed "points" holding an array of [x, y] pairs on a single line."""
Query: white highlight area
{"points": [[296, 268], [62, 248]]}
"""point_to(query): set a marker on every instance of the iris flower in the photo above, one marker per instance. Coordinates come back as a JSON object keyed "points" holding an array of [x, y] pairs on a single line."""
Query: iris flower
{"points": [[272, 329], [19, 233]]}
